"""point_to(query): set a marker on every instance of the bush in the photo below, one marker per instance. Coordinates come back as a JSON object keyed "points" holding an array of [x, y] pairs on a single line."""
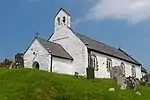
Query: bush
{"points": [[145, 80]]}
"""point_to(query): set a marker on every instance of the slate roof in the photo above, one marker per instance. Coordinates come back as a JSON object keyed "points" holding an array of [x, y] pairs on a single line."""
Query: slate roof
{"points": [[143, 70], [106, 49], [55, 49]]}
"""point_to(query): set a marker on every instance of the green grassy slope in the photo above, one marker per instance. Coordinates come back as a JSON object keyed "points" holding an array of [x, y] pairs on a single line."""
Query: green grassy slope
{"points": [[26, 84]]}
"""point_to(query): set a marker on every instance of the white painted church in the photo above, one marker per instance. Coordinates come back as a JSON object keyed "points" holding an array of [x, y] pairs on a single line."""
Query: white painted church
{"points": [[67, 52]]}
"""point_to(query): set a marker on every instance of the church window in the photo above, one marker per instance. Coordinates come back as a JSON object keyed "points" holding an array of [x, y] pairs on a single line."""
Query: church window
{"points": [[58, 20], [34, 53], [109, 64], [122, 68], [133, 71], [94, 62], [64, 19]]}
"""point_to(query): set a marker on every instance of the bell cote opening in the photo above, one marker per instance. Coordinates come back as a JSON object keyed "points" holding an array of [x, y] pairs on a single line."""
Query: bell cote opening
{"points": [[62, 19]]}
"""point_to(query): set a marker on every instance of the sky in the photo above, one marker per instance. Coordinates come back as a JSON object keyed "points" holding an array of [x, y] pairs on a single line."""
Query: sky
{"points": [[119, 23]]}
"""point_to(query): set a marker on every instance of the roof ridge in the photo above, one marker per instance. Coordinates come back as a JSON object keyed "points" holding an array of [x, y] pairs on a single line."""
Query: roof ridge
{"points": [[127, 55], [63, 10], [49, 41]]}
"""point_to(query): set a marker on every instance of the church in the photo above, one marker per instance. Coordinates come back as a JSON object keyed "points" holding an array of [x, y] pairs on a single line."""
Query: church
{"points": [[68, 52]]}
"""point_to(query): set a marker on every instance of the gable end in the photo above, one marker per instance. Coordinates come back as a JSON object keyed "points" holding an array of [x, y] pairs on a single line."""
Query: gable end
{"points": [[62, 9], [29, 46]]}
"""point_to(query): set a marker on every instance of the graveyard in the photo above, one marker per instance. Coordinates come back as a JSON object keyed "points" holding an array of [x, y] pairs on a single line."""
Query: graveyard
{"points": [[30, 84]]}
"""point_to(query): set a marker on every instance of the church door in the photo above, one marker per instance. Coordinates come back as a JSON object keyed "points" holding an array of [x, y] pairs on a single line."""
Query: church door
{"points": [[35, 65]]}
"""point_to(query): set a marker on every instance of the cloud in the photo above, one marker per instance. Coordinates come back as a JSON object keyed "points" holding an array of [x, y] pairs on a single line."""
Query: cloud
{"points": [[77, 21], [131, 10]]}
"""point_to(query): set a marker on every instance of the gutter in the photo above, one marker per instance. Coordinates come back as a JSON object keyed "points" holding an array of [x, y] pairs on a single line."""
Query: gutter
{"points": [[115, 57]]}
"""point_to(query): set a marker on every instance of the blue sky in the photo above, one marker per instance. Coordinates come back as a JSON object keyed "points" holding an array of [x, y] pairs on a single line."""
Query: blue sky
{"points": [[120, 23]]}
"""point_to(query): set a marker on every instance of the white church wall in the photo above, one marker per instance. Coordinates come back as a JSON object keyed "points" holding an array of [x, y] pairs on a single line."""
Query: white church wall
{"points": [[102, 72], [102, 63], [73, 45], [61, 65], [42, 57], [143, 74], [138, 72]]}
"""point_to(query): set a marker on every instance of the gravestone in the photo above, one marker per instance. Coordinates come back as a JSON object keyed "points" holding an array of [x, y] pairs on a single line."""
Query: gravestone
{"points": [[90, 73], [76, 74], [117, 73], [122, 81]]}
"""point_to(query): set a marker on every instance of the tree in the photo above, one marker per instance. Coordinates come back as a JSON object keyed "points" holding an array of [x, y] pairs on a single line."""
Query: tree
{"points": [[7, 62]]}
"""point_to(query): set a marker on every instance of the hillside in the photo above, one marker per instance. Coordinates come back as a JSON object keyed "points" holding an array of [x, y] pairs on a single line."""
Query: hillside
{"points": [[26, 84]]}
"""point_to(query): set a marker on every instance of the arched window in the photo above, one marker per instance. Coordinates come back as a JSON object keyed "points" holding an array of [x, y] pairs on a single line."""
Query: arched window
{"points": [[122, 68], [58, 20], [109, 64], [64, 19], [133, 71], [94, 62]]}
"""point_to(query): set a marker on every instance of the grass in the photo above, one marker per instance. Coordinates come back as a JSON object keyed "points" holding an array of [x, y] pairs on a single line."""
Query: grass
{"points": [[27, 84]]}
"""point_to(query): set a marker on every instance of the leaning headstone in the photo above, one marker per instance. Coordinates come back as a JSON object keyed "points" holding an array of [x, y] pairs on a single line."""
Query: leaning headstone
{"points": [[117, 73], [120, 80]]}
